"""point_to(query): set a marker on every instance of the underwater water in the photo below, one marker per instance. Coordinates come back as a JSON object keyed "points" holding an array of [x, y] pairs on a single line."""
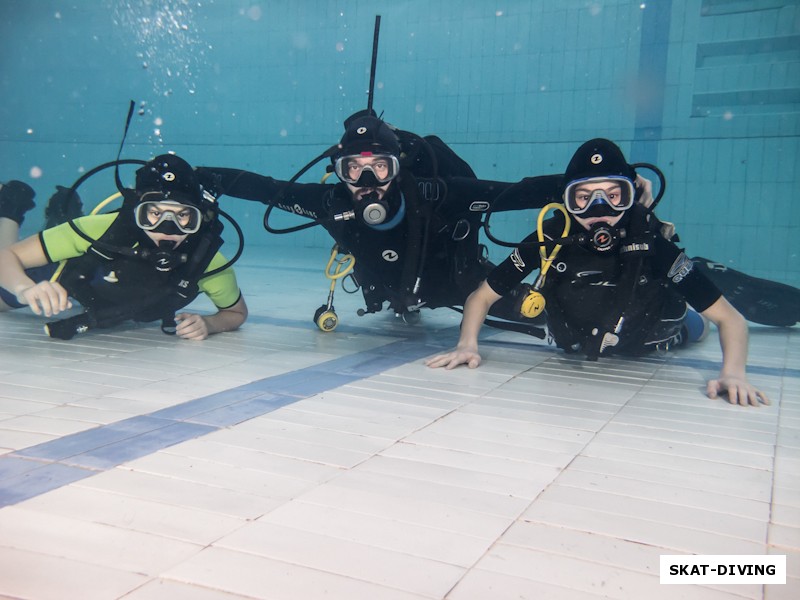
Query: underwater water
{"points": [[707, 90]]}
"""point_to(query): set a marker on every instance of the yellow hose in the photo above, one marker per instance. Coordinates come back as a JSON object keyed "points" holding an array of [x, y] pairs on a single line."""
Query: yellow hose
{"points": [[95, 210], [534, 303]]}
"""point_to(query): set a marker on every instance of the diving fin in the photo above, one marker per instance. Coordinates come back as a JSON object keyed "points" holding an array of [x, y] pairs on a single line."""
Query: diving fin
{"points": [[759, 300]]}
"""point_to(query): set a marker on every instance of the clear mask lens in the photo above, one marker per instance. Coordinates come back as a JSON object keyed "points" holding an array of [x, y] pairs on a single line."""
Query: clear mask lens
{"points": [[616, 192], [151, 214], [383, 168]]}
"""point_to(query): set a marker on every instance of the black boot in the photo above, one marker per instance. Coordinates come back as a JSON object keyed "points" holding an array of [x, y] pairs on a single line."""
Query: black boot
{"points": [[16, 198], [62, 207]]}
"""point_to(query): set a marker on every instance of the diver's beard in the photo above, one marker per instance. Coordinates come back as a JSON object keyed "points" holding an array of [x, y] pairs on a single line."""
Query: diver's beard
{"points": [[366, 194], [370, 196], [359, 194]]}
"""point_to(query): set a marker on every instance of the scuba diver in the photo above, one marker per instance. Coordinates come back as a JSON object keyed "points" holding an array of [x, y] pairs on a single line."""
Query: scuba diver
{"points": [[618, 286], [407, 210], [143, 262]]}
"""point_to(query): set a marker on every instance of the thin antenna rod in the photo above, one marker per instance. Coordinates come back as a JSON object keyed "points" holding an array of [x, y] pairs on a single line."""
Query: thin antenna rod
{"points": [[374, 61]]}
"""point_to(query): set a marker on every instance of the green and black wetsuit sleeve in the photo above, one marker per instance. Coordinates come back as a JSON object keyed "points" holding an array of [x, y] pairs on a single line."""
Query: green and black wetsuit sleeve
{"points": [[304, 199]]}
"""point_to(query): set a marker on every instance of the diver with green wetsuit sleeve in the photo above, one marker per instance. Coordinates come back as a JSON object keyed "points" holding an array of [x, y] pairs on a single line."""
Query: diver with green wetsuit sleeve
{"points": [[144, 262]]}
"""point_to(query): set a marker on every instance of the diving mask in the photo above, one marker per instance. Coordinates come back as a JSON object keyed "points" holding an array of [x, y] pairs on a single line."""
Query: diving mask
{"points": [[154, 210], [367, 169], [618, 193]]}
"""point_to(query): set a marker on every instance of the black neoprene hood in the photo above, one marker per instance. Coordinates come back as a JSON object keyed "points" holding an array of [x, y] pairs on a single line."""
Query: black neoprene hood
{"points": [[173, 177], [598, 158], [369, 134]]}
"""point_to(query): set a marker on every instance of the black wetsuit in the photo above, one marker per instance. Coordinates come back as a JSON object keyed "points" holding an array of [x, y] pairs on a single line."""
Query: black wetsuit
{"points": [[587, 292], [390, 256]]}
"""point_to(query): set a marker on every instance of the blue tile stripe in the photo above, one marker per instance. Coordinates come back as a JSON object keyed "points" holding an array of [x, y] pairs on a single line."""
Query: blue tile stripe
{"points": [[35, 470]]}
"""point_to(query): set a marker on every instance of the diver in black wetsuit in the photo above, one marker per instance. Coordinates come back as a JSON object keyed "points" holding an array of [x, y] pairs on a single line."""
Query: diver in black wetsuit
{"points": [[408, 209], [617, 286]]}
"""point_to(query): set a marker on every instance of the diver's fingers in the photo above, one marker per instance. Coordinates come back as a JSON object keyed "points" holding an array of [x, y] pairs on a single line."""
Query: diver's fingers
{"points": [[191, 327], [438, 361], [62, 295]]}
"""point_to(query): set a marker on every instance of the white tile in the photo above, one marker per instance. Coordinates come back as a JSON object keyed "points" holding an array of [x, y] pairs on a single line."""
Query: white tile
{"points": [[649, 430], [14, 406], [267, 426], [340, 404], [785, 536], [785, 515], [94, 416], [289, 448], [220, 475], [356, 560], [572, 421], [681, 539], [15, 440], [681, 450], [162, 589], [387, 393], [783, 592], [208, 449], [40, 394], [507, 449], [267, 579], [124, 512], [492, 427], [720, 465], [387, 505], [79, 540], [748, 483], [25, 574], [586, 576], [480, 584], [659, 491], [583, 545], [176, 492], [462, 469], [503, 505], [389, 534], [742, 525], [45, 425]]}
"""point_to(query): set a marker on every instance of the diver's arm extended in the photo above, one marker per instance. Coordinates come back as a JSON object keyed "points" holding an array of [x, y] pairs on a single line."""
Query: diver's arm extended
{"points": [[192, 326], [732, 380], [466, 352], [304, 199], [44, 297], [531, 192]]}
